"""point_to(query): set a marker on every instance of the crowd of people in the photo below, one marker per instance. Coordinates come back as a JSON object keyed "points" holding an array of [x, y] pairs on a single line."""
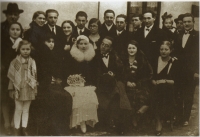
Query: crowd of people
{"points": [[148, 70]]}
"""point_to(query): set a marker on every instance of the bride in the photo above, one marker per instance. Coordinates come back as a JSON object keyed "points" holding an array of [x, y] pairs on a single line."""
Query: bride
{"points": [[82, 62]]}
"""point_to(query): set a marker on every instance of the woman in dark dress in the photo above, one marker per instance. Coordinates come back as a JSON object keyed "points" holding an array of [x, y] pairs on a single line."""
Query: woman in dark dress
{"points": [[94, 37], [55, 104], [166, 77], [8, 53], [33, 34], [68, 29], [137, 77]]}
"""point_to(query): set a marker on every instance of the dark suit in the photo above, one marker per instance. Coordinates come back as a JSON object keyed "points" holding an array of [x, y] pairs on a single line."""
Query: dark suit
{"points": [[86, 32], [59, 37], [189, 58], [151, 43], [105, 32], [114, 64], [120, 43], [4, 30]]}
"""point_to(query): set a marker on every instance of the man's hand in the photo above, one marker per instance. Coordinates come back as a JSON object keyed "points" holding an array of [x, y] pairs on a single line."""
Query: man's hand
{"points": [[131, 84]]}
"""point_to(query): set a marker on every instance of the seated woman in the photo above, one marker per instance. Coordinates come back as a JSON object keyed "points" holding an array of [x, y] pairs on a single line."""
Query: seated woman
{"points": [[94, 37], [54, 104], [166, 77], [137, 75], [82, 65]]}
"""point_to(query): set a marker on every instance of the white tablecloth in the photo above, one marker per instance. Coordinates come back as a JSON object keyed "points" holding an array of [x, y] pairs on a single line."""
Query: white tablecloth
{"points": [[84, 106]]}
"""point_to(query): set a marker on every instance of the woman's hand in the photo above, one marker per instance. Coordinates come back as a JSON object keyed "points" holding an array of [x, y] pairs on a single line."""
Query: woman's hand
{"points": [[171, 82], [12, 94], [131, 84], [67, 47], [154, 82], [58, 81]]}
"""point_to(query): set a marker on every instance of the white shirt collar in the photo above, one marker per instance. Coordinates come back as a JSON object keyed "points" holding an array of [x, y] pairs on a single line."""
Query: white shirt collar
{"points": [[81, 30], [119, 32], [13, 41], [52, 28], [149, 27], [108, 27], [189, 30]]}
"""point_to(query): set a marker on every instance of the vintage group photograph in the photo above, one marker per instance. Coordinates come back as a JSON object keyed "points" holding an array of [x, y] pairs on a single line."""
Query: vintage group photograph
{"points": [[99, 68]]}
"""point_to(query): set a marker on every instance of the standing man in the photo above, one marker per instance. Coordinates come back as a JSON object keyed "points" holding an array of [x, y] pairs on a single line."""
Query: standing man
{"points": [[136, 21], [150, 36], [179, 25], [51, 28], [81, 20], [12, 15], [121, 36], [7, 104], [187, 51], [47, 106], [108, 27]]}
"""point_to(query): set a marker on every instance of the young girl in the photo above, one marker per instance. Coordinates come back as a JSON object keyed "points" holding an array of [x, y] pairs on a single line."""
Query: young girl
{"points": [[165, 79], [8, 53], [22, 85], [168, 26]]}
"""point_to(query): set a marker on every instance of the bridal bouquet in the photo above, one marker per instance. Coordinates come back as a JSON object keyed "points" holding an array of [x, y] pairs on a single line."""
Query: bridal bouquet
{"points": [[76, 80]]}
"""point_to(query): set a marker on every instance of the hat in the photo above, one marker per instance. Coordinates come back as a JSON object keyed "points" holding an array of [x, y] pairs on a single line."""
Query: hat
{"points": [[12, 7], [180, 17], [82, 37]]}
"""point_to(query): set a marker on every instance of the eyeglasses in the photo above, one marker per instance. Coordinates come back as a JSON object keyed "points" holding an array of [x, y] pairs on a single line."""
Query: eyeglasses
{"points": [[93, 26], [105, 45]]}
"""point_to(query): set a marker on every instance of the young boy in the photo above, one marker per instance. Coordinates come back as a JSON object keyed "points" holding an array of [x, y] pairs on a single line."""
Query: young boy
{"points": [[81, 20]]}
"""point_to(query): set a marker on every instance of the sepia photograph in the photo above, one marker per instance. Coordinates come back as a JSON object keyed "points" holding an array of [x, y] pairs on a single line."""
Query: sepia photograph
{"points": [[99, 68]]}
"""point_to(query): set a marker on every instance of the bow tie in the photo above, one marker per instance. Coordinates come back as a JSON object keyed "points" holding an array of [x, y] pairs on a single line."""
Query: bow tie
{"points": [[187, 32], [104, 56], [147, 29]]}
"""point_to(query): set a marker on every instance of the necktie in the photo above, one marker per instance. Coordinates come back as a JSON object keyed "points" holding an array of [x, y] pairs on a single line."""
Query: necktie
{"points": [[53, 31], [81, 32]]}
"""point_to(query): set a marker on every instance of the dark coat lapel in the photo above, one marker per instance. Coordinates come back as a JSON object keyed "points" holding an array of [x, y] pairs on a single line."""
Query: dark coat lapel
{"points": [[111, 61], [151, 33], [190, 39]]}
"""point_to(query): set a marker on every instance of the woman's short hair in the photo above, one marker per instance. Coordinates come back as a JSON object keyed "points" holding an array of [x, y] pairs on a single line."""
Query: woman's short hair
{"points": [[168, 43], [97, 21], [133, 42], [37, 13], [19, 26], [71, 24]]}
